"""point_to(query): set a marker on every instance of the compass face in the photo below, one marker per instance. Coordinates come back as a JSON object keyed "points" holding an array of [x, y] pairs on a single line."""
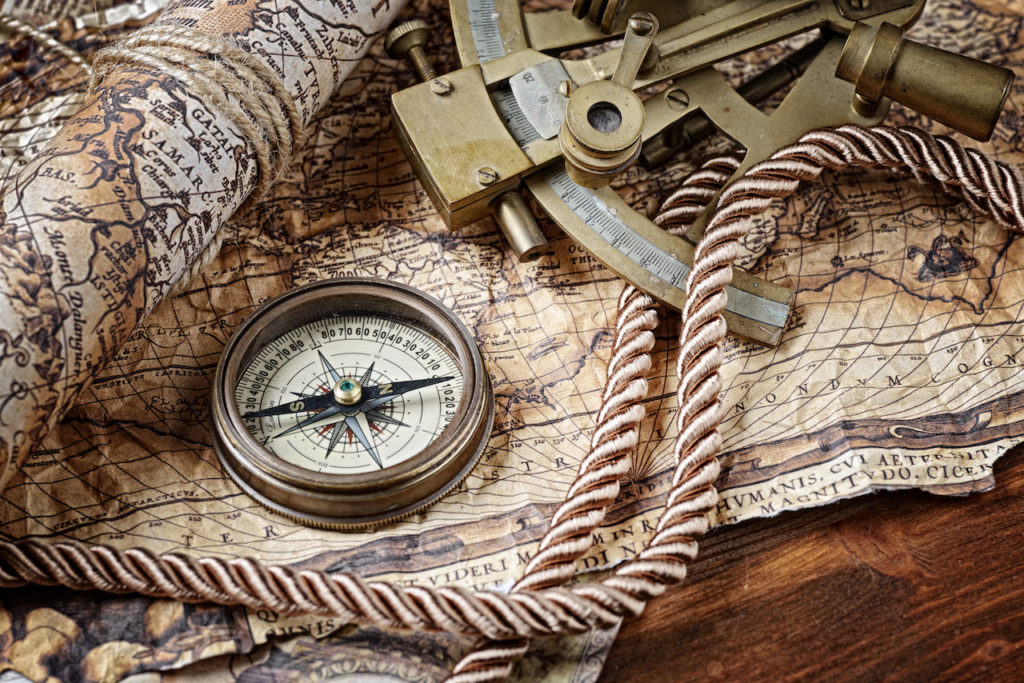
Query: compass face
{"points": [[348, 394], [348, 403]]}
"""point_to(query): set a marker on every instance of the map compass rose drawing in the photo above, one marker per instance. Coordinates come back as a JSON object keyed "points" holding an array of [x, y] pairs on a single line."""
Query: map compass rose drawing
{"points": [[349, 403]]}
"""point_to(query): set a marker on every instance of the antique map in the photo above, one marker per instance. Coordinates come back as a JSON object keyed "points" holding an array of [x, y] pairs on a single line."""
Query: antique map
{"points": [[901, 367]]}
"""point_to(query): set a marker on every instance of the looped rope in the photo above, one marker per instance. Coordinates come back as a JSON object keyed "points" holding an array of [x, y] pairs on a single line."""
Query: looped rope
{"points": [[233, 82], [662, 562], [624, 393], [597, 482], [688, 202], [21, 28]]}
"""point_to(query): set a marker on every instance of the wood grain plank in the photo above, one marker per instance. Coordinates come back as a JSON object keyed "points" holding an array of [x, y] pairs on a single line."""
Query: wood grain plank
{"points": [[899, 585]]}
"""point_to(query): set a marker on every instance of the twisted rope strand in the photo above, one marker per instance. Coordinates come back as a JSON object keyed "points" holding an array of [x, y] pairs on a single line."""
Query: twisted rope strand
{"points": [[248, 91], [691, 497], [20, 28], [570, 530], [686, 204], [627, 368]]}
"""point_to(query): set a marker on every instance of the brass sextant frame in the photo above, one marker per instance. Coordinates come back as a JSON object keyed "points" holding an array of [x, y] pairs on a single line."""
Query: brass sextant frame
{"points": [[518, 117]]}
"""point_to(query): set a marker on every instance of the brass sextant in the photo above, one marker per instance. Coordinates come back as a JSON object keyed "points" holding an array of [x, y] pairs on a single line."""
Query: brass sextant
{"points": [[518, 117]]}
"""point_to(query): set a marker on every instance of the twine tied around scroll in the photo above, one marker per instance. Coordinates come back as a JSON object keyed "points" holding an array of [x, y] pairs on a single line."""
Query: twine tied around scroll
{"points": [[234, 83]]}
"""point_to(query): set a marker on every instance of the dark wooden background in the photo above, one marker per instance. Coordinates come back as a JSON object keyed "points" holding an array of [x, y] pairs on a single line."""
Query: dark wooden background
{"points": [[903, 585]]}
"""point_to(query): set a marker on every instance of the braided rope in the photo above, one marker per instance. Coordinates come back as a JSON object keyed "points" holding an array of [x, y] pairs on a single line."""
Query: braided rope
{"points": [[569, 533], [20, 28], [662, 562], [493, 661], [687, 203], [235, 83]]}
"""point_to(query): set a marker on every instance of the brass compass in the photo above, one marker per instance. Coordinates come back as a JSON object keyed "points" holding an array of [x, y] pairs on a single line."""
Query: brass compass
{"points": [[349, 403]]}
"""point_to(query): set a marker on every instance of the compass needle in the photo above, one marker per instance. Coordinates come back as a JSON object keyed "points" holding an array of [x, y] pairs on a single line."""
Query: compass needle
{"points": [[384, 393], [303, 404], [301, 421], [309, 421]]}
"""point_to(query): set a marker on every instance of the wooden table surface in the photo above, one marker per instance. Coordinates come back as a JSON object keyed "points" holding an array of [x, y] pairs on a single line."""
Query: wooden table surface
{"points": [[903, 585]]}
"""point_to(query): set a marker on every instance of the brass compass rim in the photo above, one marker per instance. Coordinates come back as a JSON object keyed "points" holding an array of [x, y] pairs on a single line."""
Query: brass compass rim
{"points": [[365, 498]]}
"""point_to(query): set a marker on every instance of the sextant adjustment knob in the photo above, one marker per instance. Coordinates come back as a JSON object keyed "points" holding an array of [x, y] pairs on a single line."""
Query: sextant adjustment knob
{"points": [[408, 40], [601, 134]]}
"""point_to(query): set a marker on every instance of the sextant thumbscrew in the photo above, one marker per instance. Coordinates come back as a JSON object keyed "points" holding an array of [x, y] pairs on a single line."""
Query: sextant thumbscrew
{"points": [[407, 40]]}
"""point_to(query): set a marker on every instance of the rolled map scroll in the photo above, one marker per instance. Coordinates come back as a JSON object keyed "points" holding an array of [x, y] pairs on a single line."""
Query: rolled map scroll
{"points": [[121, 203]]}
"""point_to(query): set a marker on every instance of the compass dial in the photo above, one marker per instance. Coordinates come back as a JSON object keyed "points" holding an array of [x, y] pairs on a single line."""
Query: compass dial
{"points": [[349, 403], [357, 356]]}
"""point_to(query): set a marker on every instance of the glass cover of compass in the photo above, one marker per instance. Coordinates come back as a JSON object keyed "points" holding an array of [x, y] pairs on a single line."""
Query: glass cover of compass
{"points": [[351, 402]]}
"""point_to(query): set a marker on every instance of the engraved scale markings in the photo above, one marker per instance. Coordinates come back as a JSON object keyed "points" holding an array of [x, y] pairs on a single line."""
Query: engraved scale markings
{"points": [[347, 342], [648, 256], [514, 117], [616, 232], [536, 93], [483, 22]]}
